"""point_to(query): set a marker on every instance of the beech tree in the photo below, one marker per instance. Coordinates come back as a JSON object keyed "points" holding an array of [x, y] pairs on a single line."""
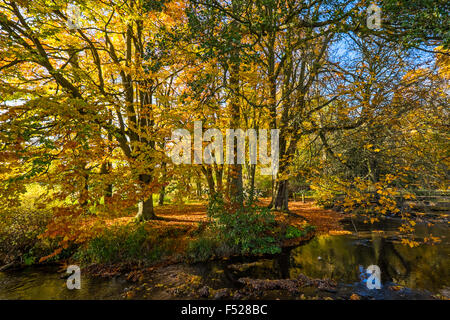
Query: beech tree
{"points": [[71, 86]]}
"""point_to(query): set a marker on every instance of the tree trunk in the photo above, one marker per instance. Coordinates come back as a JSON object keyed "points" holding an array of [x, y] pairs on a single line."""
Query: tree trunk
{"points": [[236, 187], [282, 197], [219, 175], [145, 210], [105, 169], [162, 194], [235, 169], [252, 170], [281, 194], [272, 97], [145, 207], [207, 171]]}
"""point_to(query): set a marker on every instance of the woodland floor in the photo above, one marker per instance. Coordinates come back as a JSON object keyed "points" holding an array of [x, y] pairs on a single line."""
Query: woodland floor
{"points": [[191, 215]]}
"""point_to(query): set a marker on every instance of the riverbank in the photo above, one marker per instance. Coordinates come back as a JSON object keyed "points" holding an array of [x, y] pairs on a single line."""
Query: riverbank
{"points": [[187, 225], [324, 267], [179, 234], [220, 277]]}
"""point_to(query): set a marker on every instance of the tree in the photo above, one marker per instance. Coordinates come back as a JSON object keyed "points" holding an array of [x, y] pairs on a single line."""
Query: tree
{"points": [[80, 85]]}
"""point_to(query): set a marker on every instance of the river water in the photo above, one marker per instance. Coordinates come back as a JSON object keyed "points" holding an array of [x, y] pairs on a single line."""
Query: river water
{"points": [[417, 273]]}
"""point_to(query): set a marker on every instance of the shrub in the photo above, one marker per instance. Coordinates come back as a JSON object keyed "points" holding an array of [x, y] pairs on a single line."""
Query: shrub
{"points": [[21, 226], [247, 229], [293, 232], [128, 243], [201, 249]]}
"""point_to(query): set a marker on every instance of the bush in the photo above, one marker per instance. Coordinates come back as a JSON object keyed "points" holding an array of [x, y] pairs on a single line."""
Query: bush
{"points": [[128, 243], [247, 229], [293, 232], [201, 249], [21, 226]]}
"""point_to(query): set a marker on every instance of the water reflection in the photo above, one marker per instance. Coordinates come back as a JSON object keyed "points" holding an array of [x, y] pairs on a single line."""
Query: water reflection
{"points": [[45, 283], [423, 268], [337, 257]]}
